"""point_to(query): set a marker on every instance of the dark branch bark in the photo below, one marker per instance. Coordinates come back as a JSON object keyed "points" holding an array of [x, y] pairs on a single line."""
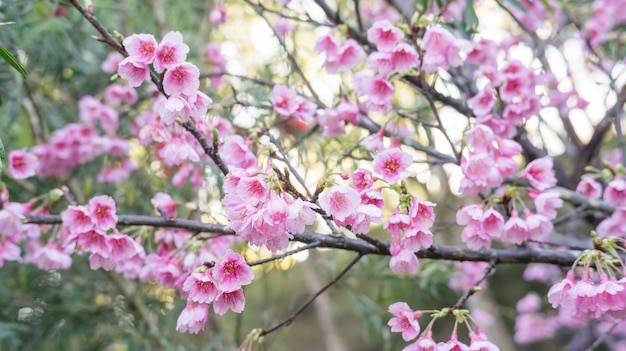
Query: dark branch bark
{"points": [[439, 252]]}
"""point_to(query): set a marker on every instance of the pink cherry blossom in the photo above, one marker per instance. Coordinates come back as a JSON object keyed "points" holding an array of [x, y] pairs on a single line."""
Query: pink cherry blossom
{"points": [[403, 58], [285, 100], [283, 26], [404, 261], [440, 50], [384, 35], [200, 287], [78, 219], [404, 320], [615, 192], [52, 256], [392, 164], [102, 211], [22, 164], [235, 152], [483, 102], [122, 246], [218, 14], [540, 173], [559, 293], [340, 202], [193, 318], [182, 78], [141, 47], [133, 72], [515, 230], [117, 93], [362, 179], [232, 272], [350, 53], [111, 63], [199, 104], [171, 51], [589, 187], [234, 301], [174, 107]]}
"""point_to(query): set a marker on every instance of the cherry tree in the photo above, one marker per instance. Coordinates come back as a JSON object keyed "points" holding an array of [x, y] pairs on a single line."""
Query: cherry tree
{"points": [[472, 135]]}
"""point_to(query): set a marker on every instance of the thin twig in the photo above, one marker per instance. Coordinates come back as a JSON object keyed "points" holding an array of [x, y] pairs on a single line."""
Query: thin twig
{"points": [[474, 289], [308, 302], [285, 254]]}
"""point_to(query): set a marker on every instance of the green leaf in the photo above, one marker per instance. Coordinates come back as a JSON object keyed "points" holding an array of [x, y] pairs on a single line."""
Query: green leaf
{"points": [[12, 61], [469, 17]]}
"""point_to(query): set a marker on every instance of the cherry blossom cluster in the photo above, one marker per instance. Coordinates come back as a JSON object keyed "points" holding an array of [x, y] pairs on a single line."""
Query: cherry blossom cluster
{"points": [[484, 223], [259, 213], [601, 290], [91, 228], [221, 284], [405, 321], [608, 185], [409, 227], [68, 147], [179, 77]]}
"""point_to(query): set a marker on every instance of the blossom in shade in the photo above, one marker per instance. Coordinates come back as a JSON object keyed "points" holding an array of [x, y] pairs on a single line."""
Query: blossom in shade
{"points": [[133, 72], [193, 318], [102, 210], [540, 174], [385, 35], [141, 47], [200, 287], [170, 52], [615, 192], [233, 300], [232, 272], [8, 251], [590, 188], [392, 164], [22, 164], [340, 202], [182, 78], [52, 256], [404, 320]]}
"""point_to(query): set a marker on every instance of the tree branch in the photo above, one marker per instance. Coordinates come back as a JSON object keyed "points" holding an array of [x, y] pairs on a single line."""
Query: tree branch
{"points": [[362, 247]]}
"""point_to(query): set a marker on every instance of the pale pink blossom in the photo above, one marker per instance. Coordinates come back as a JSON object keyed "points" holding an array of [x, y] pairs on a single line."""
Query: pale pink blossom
{"points": [[235, 152], [171, 51], [234, 301], [122, 246], [540, 173], [8, 251], [78, 219], [133, 72], [200, 287], [403, 58], [218, 14], [141, 47], [193, 318], [327, 43], [589, 187], [117, 93], [404, 320], [340, 202], [172, 108], [199, 104], [385, 35], [615, 192], [404, 261], [559, 292], [546, 202], [282, 27], [483, 102], [182, 78], [52, 256], [350, 53], [111, 63], [392, 164], [22, 164], [440, 50], [285, 100]]}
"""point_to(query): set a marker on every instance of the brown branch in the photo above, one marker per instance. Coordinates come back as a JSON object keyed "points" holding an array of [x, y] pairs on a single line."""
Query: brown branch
{"points": [[362, 247], [285, 254], [308, 302]]}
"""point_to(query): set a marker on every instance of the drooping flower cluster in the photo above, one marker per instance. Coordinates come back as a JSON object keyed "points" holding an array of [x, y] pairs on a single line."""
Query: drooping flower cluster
{"points": [[221, 285], [600, 292], [261, 215], [405, 321], [179, 77], [91, 228], [410, 231]]}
